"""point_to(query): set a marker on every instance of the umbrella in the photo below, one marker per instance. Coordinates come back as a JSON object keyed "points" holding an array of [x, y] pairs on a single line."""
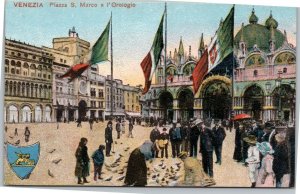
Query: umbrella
{"points": [[75, 71], [241, 116]]}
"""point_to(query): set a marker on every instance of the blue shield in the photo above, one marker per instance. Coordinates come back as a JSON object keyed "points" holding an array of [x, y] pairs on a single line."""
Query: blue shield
{"points": [[23, 159]]}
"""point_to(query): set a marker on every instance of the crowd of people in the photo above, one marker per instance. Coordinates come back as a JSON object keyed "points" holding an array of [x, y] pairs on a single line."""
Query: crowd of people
{"points": [[267, 151], [184, 137], [264, 149]]}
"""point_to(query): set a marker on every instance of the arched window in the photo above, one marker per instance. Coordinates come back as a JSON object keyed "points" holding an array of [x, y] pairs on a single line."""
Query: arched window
{"points": [[13, 63], [12, 71], [6, 62], [255, 73], [284, 70], [18, 64], [13, 114]]}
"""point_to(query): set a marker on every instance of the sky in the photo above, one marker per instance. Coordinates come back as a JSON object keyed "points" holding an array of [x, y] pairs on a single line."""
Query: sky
{"points": [[134, 28]]}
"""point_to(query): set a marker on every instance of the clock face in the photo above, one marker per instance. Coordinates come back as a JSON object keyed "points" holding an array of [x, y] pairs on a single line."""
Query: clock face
{"points": [[82, 87]]}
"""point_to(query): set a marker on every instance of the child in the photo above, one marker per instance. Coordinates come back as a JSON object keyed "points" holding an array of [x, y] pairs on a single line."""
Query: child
{"points": [[253, 160], [98, 159]]}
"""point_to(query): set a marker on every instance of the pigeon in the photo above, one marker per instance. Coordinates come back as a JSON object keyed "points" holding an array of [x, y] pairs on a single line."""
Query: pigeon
{"points": [[51, 151], [11, 137], [157, 181], [113, 152], [50, 173], [116, 142], [108, 178], [120, 178], [17, 142], [121, 172], [121, 155], [163, 167], [56, 161]]}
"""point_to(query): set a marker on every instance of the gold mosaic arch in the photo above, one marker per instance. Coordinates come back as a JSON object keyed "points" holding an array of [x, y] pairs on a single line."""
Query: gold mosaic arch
{"points": [[209, 80]]}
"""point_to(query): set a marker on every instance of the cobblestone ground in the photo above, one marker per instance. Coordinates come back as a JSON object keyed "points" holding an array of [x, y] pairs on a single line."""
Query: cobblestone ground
{"points": [[65, 140]]}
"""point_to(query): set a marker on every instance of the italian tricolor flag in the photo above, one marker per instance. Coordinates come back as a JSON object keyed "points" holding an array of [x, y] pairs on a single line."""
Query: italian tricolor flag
{"points": [[151, 60], [219, 48], [222, 43]]}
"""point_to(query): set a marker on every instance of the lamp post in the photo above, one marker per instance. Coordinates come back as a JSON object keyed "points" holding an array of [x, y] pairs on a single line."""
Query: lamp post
{"points": [[278, 83], [268, 101]]}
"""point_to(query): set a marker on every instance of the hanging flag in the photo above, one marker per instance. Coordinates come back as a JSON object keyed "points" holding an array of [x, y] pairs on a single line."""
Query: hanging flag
{"points": [[200, 71], [222, 43], [219, 48], [100, 48], [151, 60], [75, 71]]}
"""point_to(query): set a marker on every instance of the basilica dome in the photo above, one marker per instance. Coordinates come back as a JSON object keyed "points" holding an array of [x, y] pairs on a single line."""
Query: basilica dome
{"points": [[258, 34]]}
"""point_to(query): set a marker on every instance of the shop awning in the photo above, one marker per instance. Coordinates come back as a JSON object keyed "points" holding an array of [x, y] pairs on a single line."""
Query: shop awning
{"points": [[133, 114]]}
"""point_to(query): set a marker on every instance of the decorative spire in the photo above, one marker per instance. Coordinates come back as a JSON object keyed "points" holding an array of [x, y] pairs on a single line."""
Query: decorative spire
{"points": [[190, 51], [253, 18], [201, 44], [181, 50], [170, 56], [285, 36], [175, 54]]}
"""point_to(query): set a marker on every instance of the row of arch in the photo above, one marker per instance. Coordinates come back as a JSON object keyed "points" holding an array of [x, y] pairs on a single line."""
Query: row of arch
{"points": [[25, 69], [186, 69], [27, 113], [283, 57], [26, 89]]}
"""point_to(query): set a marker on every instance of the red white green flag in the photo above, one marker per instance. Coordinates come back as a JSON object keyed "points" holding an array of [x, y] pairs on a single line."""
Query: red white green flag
{"points": [[222, 43], [151, 60], [219, 48]]}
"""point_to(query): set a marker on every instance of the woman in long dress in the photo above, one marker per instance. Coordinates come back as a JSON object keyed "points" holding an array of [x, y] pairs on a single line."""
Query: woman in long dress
{"points": [[266, 176]]}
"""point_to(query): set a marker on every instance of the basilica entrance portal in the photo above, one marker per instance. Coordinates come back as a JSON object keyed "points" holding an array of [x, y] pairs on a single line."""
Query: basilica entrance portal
{"points": [[186, 104], [217, 100], [253, 101], [166, 104]]}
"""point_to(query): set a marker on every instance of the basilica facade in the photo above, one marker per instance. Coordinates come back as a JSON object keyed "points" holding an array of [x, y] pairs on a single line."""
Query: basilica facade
{"points": [[261, 79], [265, 78]]}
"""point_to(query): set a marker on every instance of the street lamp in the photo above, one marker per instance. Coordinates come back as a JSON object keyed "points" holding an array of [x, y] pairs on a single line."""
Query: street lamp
{"points": [[278, 83]]}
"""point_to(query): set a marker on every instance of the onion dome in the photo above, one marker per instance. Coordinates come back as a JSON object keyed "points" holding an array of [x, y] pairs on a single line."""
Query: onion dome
{"points": [[260, 35], [271, 22], [253, 18]]}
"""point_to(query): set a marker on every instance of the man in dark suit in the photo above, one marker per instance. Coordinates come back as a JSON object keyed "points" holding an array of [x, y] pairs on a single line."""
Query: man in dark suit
{"points": [[206, 148], [108, 138], [219, 136]]}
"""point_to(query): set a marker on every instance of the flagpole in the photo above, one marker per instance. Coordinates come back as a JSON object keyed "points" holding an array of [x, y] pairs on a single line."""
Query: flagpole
{"points": [[166, 113], [111, 69], [232, 77]]}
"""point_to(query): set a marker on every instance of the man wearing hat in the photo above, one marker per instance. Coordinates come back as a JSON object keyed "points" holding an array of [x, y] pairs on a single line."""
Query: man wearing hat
{"points": [[194, 136], [154, 135], [206, 148], [219, 136], [268, 127], [253, 160], [108, 138], [163, 141], [175, 138]]}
